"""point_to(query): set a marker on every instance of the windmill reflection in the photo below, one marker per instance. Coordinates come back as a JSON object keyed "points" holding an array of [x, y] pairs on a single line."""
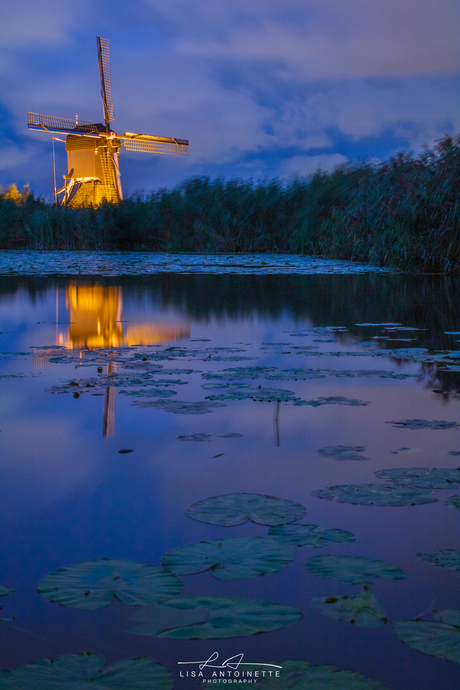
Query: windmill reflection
{"points": [[95, 322]]}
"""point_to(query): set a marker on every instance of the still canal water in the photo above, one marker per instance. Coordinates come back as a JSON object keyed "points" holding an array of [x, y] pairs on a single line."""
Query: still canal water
{"points": [[297, 387]]}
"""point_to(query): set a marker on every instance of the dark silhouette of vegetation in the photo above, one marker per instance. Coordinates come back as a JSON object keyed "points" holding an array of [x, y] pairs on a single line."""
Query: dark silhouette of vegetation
{"points": [[404, 213]]}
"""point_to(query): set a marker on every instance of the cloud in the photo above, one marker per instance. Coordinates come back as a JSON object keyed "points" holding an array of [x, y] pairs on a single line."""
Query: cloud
{"points": [[303, 166]]}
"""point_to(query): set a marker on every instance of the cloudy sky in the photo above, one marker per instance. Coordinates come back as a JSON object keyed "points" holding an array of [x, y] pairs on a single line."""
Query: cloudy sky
{"points": [[261, 88]]}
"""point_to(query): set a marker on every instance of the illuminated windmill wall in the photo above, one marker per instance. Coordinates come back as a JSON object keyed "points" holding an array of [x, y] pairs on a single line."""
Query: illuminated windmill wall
{"points": [[92, 149]]}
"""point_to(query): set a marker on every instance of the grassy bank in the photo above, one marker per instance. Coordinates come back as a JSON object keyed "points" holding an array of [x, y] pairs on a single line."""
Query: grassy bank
{"points": [[403, 213]]}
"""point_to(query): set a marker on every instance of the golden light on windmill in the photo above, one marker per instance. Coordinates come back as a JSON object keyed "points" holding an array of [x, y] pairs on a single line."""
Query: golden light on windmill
{"points": [[93, 148]]}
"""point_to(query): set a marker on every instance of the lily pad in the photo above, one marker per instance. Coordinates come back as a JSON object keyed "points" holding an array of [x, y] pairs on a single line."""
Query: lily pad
{"points": [[375, 495], [4, 591], [179, 406], [332, 400], [197, 436], [436, 424], [422, 477], [229, 559], [235, 509], [362, 609], [296, 374], [149, 393], [230, 435], [257, 394], [299, 675], [353, 570], [207, 618], [344, 452], [309, 535], [80, 671], [453, 501], [440, 639], [444, 558], [94, 584], [239, 373]]}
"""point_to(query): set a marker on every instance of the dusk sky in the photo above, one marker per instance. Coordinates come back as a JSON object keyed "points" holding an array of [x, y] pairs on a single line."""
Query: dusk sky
{"points": [[262, 89]]}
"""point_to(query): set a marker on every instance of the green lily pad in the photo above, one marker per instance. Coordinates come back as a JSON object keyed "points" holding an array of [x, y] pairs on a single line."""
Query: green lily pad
{"points": [[80, 671], [353, 570], [4, 591], [424, 424], [375, 495], [197, 436], [422, 477], [229, 559], [230, 435], [179, 406], [448, 616], [362, 609], [149, 393], [344, 452], [333, 400], [296, 374], [299, 675], [309, 535], [207, 618], [381, 373], [437, 639], [453, 501], [444, 558], [235, 509], [94, 584], [240, 373], [257, 394]]}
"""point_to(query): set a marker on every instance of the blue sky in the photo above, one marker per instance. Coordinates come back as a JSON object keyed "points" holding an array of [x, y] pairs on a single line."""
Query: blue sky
{"points": [[262, 89]]}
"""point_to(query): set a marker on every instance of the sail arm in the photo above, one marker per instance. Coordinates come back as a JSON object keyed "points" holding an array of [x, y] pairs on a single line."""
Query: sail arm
{"points": [[147, 143], [103, 53], [49, 123]]}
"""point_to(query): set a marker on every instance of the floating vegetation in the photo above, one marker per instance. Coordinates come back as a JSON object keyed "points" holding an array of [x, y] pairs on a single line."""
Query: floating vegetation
{"points": [[229, 559], [422, 477], [375, 495], [240, 373], [299, 675], [228, 386], [179, 406], [334, 400], [126, 450], [453, 501], [256, 394], [444, 558], [362, 609], [4, 591], [424, 424], [229, 435], [344, 452], [94, 584], [86, 670], [441, 639], [296, 374], [309, 535], [149, 393], [337, 353], [381, 373], [353, 570], [207, 618], [228, 510], [197, 436]]}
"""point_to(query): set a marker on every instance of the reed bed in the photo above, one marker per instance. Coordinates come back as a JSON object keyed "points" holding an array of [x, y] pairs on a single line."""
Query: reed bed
{"points": [[403, 213]]}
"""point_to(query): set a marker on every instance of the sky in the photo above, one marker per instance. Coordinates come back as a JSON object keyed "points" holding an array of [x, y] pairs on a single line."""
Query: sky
{"points": [[262, 89]]}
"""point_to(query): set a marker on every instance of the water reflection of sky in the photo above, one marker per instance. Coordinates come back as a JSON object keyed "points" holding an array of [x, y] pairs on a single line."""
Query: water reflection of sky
{"points": [[68, 495]]}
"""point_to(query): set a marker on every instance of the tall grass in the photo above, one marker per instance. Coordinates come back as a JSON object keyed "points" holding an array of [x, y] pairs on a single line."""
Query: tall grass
{"points": [[403, 213]]}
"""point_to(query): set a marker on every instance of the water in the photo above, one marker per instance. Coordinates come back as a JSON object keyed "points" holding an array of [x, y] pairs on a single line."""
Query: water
{"points": [[68, 495]]}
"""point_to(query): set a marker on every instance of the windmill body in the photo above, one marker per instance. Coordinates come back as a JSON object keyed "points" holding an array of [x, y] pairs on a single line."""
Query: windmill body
{"points": [[93, 148]]}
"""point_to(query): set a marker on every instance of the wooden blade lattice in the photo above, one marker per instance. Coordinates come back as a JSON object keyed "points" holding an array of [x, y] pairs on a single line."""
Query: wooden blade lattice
{"points": [[176, 147], [61, 124], [103, 49]]}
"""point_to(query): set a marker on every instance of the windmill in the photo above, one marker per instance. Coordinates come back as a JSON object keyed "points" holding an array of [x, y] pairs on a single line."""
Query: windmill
{"points": [[92, 149]]}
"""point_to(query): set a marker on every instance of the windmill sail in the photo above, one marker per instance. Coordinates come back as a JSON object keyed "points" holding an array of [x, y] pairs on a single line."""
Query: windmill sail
{"points": [[103, 52], [49, 123], [147, 143]]}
